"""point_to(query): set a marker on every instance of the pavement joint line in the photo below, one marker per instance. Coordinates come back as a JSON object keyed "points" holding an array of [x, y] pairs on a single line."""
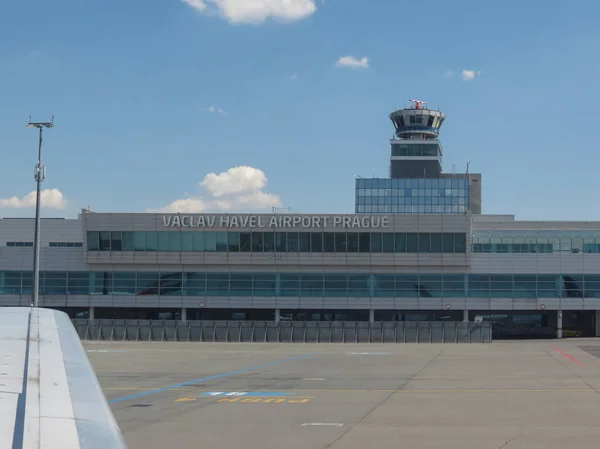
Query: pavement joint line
{"points": [[383, 401], [571, 370], [216, 376]]}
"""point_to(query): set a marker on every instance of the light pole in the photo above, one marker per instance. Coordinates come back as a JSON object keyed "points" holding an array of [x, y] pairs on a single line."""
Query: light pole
{"points": [[39, 174]]}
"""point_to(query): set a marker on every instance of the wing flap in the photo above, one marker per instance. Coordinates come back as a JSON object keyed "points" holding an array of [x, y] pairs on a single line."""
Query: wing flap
{"points": [[58, 433], [13, 344], [60, 405], [8, 412]]}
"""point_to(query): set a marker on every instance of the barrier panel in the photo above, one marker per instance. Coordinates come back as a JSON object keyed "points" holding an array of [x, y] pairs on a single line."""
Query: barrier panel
{"points": [[285, 331]]}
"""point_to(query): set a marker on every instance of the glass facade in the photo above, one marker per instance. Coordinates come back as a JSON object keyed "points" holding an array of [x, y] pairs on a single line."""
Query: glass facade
{"points": [[535, 242], [416, 150], [412, 196], [338, 285], [516, 242], [281, 242]]}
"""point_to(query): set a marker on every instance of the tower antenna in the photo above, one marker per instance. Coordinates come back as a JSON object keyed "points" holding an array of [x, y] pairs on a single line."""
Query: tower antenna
{"points": [[417, 103], [39, 175]]}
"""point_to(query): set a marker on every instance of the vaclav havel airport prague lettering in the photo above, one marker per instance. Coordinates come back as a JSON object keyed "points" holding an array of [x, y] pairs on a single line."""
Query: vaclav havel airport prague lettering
{"points": [[274, 221]]}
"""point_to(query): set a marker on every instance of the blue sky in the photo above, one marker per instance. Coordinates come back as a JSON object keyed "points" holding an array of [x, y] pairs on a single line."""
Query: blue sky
{"points": [[131, 84]]}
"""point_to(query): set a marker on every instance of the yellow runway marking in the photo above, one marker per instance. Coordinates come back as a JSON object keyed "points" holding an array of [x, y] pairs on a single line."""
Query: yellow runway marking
{"points": [[482, 390], [305, 399], [588, 390], [255, 400], [262, 389]]}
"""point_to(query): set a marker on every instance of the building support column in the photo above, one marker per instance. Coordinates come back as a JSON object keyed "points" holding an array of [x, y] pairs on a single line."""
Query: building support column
{"points": [[183, 314], [371, 315], [466, 315], [91, 313], [559, 323], [597, 323], [277, 314]]}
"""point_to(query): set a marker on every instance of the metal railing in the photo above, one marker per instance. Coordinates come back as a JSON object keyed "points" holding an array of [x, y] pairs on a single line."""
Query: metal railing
{"points": [[285, 331]]}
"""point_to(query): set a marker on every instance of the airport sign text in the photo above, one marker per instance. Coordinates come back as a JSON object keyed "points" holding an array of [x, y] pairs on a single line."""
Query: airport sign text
{"points": [[275, 221]]}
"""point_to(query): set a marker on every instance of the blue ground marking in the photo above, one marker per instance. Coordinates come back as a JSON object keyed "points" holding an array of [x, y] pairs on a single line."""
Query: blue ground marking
{"points": [[204, 379], [246, 394]]}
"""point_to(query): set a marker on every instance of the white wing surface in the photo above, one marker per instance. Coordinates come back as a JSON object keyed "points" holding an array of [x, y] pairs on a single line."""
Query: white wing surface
{"points": [[49, 395]]}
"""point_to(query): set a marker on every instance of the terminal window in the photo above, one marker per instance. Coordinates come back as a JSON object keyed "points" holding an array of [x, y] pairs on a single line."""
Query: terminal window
{"points": [[171, 284], [65, 244], [19, 243], [282, 242], [536, 241], [51, 244]]}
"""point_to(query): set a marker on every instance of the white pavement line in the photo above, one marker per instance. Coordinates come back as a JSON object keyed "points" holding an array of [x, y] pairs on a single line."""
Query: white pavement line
{"points": [[106, 350], [331, 424], [369, 353]]}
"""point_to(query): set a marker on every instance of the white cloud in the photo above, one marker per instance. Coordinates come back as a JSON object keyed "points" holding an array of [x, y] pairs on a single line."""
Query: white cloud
{"points": [[238, 188], [198, 5], [216, 110], [258, 199], [50, 198], [256, 11], [235, 180], [353, 62], [189, 205], [468, 75]]}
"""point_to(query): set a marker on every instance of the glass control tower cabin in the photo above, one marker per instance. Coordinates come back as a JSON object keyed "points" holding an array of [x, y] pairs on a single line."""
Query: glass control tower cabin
{"points": [[417, 184]]}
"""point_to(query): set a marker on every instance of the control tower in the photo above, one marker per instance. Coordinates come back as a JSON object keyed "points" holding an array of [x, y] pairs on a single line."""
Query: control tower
{"points": [[416, 184], [416, 151]]}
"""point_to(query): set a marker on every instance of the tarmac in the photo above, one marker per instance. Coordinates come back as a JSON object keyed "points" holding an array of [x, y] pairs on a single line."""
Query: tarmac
{"points": [[508, 394]]}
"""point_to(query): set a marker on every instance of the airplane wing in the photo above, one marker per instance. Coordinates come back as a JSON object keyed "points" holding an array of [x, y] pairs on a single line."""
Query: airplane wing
{"points": [[49, 395]]}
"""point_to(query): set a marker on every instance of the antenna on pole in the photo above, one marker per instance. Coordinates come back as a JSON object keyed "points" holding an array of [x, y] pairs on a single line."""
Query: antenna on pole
{"points": [[468, 163], [39, 175]]}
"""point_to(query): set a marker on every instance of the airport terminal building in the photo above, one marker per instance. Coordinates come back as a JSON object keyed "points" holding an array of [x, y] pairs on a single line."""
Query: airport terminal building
{"points": [[417, 248]]}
